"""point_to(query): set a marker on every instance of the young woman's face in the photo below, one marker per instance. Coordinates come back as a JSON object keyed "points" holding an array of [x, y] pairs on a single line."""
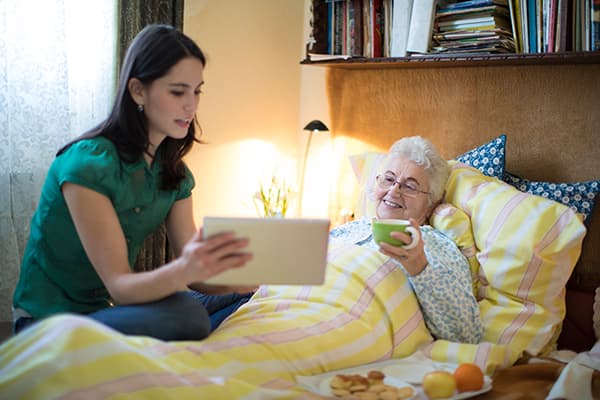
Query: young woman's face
{"points": [[400, 203], [170, 102]]}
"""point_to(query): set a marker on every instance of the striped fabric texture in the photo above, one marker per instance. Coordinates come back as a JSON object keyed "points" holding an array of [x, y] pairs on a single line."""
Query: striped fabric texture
{"points": [[365, 312], [526, 247], [522, 248]]}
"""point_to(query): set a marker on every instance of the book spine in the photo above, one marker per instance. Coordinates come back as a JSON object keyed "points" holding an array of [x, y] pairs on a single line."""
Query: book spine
{"points": [[330, 27], [421, 26], [358, 27], [339, 17], [377, 27], [319, 24], [401, 15], [512, 7], [552, 5], [539, 12], [524, 25], [532, 23], [366, 13], [560, 41], [595, 25]]}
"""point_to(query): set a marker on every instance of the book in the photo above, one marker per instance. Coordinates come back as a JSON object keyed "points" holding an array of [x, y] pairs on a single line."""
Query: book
{"points": [[515, 29], [484, 25], [576, 30], [560, 41], [483, 9], [595, 26], [464, 34], [366, 25], [539, 12], [401, 16], [532, 24], [377, 27], [551, 28], [330, 27], [328, 57], [319, 23], [387, 22], [421, 26], [355, 31], [339, 34], [524, 25], [472, 3], [472, 13], [472, 21]]}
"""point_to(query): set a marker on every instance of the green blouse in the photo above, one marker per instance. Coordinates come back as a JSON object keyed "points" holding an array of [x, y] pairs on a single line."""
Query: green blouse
{"points": [[56, 274]]}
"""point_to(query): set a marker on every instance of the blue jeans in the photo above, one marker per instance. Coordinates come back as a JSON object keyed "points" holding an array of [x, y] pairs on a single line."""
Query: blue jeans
{"points": [[181, 316]]}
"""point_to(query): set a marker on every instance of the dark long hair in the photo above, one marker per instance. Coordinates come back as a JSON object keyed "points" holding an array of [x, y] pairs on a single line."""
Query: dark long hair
{"points": [[150, 56]]}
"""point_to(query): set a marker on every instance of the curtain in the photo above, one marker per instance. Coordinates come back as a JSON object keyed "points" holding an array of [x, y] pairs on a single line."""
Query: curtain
{"points": [[134, 15], [57, 74]]}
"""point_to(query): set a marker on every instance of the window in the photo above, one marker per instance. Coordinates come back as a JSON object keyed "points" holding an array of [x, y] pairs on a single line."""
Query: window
{"points": [[57, 78]]}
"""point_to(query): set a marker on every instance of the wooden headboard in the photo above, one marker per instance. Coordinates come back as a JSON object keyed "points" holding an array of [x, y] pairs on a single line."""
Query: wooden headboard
{"points": [[549, 113]]}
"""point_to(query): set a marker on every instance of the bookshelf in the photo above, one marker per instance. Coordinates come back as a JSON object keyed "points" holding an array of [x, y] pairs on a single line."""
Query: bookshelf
{"points": [[436, 61], [323, 39]]}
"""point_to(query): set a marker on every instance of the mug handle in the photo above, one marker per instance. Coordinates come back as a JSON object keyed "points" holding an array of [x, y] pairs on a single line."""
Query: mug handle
{"points": [[416, 236]]}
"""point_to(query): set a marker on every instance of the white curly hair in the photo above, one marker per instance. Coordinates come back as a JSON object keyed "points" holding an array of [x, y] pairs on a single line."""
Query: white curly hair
{"points": [[423, 153]]}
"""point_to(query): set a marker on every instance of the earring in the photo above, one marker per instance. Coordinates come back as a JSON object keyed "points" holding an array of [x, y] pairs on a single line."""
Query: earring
{"points": [[140, 107]]}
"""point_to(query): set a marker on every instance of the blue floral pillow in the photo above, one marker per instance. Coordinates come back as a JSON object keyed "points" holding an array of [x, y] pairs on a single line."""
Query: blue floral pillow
{"points": [[488, 158], [579, 196]]}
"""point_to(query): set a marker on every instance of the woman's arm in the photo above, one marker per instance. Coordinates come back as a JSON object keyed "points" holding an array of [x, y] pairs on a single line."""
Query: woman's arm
{"points": [[105, 244], [103, 239], [180, 224], [445, 293]]}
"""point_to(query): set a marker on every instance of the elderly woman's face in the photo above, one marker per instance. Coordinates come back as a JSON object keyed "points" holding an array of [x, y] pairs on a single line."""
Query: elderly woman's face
{"points": [[405, 198]]}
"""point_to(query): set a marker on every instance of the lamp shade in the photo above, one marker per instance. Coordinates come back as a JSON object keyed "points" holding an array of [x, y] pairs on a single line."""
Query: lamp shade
{"points": [[316, 125]]}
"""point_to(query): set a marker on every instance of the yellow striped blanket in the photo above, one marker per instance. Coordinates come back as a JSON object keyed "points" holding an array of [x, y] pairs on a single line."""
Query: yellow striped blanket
{"points": [[365, 312], [522, 249]]}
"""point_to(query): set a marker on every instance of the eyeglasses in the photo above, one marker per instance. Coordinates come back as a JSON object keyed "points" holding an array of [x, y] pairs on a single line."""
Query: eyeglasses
{"points": [[407, 189]]}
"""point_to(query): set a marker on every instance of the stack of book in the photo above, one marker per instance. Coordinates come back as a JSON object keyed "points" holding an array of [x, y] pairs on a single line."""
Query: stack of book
{"points": [[473, 26], [405, 28]]}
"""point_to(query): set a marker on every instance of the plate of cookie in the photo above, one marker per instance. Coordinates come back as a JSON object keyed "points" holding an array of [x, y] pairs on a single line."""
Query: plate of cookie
{"points": [[372, 385]]}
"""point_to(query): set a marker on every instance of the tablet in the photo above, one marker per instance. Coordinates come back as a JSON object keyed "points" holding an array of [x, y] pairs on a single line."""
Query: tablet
{"points": [[286, 251]]}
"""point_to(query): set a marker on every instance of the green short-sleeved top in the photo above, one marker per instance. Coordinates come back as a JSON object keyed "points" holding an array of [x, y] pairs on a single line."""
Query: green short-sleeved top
{"points": [[56, 274]]}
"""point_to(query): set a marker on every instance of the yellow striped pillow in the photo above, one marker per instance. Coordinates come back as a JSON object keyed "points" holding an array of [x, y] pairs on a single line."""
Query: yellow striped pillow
{"points": [[527, 247]]}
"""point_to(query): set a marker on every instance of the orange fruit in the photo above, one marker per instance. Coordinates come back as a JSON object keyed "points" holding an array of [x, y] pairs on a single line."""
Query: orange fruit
{"points": [[468, 377]]}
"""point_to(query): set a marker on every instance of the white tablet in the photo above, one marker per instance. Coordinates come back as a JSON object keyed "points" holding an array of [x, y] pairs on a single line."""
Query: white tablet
{"points": [[286, 251]]}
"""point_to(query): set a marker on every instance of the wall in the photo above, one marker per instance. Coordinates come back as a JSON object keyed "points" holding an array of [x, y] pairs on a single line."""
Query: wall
{"points": [[258, 97], [249, 110]]}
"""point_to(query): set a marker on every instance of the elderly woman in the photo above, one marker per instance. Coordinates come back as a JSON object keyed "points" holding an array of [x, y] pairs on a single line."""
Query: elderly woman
{"points": [[409, 186]]}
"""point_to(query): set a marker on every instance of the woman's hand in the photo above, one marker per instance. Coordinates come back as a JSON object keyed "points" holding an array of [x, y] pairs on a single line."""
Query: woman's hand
{"points": [[202, 259], [413, 260]]}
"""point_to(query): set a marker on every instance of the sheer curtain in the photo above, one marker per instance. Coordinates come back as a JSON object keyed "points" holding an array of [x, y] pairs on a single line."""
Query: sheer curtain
{"points": [[57, 77]]}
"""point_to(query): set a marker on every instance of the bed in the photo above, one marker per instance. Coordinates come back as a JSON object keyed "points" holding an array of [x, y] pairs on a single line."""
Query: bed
{"points": [[533, 262]]}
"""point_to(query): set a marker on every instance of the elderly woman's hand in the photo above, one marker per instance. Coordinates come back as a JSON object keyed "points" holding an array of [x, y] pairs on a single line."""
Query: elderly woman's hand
{"points": [[413, 260]]}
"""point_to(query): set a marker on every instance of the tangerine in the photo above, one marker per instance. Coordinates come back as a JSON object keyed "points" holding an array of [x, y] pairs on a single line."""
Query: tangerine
{"points": [[468, 377]]}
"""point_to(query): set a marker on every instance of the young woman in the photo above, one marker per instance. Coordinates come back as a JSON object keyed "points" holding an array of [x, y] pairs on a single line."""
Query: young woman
{"points": [[114, 185]]}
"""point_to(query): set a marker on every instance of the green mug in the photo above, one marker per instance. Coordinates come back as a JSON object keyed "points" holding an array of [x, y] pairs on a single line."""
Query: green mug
{"points": [[383, 227]]}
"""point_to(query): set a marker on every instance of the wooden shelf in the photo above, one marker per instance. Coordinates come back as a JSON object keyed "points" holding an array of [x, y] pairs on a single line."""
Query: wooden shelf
{"points": [[439, 61]]}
